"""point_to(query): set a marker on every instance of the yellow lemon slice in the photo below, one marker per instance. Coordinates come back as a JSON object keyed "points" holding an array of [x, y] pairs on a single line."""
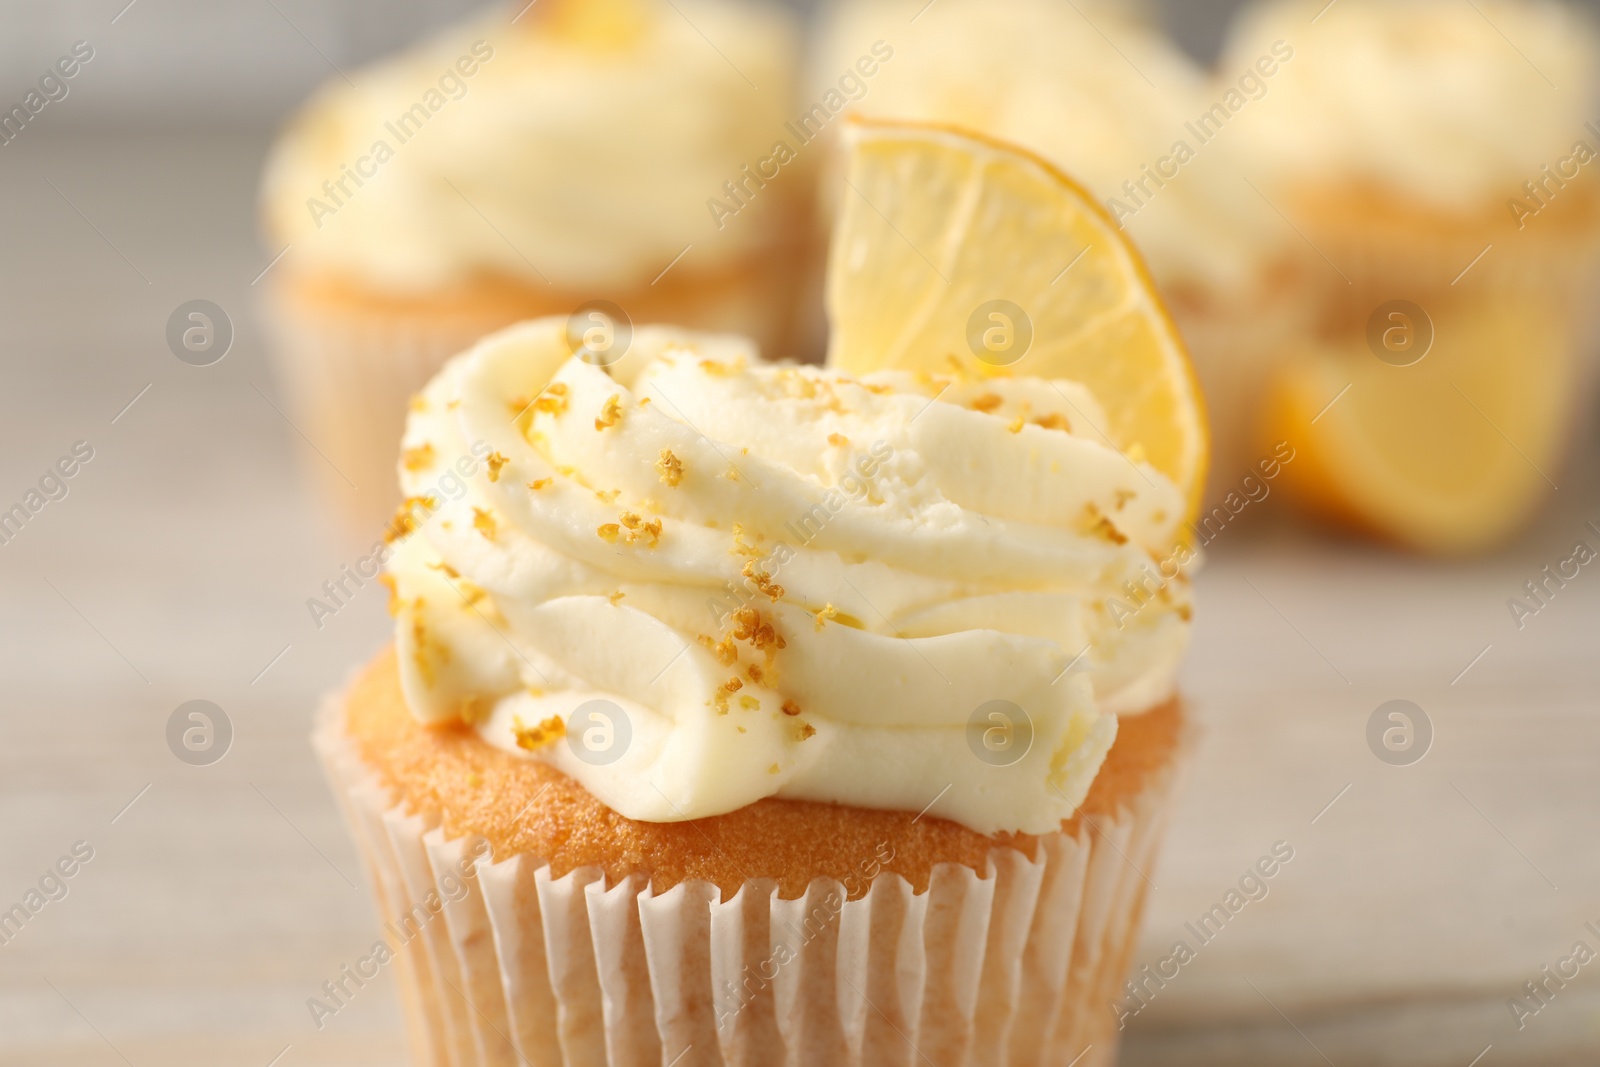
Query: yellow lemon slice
{"points": [[599, 25], [1440, 431], [954, 247]]}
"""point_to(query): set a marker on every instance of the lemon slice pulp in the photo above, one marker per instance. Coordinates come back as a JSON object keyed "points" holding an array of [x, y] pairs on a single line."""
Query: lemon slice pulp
{"points": [[954, 247]]}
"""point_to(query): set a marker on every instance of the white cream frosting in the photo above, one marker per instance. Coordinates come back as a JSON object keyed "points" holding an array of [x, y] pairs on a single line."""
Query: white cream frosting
{"points": [[917, 547], [1098, 93], [1445, 101], [578, 155]]}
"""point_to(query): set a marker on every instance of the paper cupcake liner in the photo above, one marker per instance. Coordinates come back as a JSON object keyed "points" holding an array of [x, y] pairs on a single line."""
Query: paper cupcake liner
{"points": [[1019, 967], [1359, 257], [1237, 348], [349, 374]]}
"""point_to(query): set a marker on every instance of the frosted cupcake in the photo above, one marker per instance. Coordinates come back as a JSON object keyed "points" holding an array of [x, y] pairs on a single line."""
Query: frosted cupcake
{"points": [[736, 715], [528, 163], [1437, 160], [1411, 135], [1100, 93], [751, 713]]}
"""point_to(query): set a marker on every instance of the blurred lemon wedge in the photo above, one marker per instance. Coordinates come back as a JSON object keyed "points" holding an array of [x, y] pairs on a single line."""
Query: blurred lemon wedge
{"points": [[955, 251], [1449, 454]]}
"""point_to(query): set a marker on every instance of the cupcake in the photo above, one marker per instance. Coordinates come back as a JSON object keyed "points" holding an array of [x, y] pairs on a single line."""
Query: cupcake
{"points": [[744, 712], [731, 716], [1414, 134], [561, 159], [1435, 160], [1098, 91]]}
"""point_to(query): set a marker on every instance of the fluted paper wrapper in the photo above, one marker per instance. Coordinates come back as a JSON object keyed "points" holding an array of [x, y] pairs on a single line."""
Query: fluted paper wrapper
{"points": [[1235, 350], [1356, 257], [1018, 967], [349, 375]]}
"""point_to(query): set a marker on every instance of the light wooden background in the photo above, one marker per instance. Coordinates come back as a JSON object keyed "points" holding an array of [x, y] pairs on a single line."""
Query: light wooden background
{"points": [[178, 567]]}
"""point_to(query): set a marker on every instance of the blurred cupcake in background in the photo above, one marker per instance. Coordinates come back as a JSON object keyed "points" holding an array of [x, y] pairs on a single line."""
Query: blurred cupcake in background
{"points": [[529, 163], [1436, 159], [1099, 91]]}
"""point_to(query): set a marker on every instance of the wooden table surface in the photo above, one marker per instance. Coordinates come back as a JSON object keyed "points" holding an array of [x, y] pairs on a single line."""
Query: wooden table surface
{"points": [[219, 898]]}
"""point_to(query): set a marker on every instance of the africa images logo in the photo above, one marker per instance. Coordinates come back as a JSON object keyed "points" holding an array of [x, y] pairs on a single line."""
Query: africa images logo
{"points": [[1251, 86], [52, 88], [451, 85], [852, 85]]}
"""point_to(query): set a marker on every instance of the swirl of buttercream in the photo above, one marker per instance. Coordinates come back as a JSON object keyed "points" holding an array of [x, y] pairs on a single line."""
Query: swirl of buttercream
{"points": [[786, 580]]}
